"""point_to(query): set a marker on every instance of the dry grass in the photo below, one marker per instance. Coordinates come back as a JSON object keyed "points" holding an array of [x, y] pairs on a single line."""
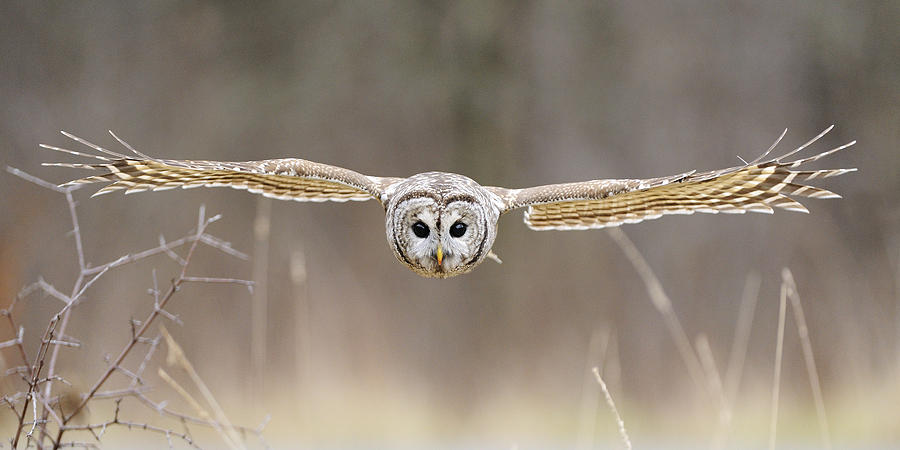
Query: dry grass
{"points": [[803, 332], [262, 225], [701, 363], [663, 305], [776, 382], [623, 433]]}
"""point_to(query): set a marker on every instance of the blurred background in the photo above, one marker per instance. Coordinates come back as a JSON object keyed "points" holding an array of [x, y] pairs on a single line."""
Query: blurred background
{"points": [[358, 350]]}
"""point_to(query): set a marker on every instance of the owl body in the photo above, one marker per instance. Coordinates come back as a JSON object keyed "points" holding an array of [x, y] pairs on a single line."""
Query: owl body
{"points": [[442, 224]]}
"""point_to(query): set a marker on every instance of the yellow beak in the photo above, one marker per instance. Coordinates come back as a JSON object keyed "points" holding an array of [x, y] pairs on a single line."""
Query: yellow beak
{"points": [[440, 254]]}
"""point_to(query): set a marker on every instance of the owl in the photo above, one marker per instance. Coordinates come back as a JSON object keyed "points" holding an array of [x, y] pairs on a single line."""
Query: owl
{"points": [[442, 224]]}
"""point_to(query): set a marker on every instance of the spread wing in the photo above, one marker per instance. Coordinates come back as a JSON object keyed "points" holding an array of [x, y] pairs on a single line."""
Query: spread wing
{"points": [[285, 179], [758, 186]]}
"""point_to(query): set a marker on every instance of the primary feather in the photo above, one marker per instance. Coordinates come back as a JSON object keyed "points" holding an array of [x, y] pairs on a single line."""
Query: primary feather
{"points": [[756, 187], [286, 178]]}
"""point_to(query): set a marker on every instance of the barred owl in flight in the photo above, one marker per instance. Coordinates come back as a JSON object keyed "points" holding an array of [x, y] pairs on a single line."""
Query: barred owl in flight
{"points": [[443, 224]]}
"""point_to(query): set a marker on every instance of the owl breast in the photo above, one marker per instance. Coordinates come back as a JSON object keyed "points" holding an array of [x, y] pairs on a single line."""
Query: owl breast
{"points": [[440, 224]]}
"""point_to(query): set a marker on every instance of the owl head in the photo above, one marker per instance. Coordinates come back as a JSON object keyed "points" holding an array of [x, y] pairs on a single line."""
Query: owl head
{"points": [[439, 231]]}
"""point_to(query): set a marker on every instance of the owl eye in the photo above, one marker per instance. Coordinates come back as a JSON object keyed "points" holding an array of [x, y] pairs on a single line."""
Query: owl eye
{"points": [[420, 229], [458, 229]]}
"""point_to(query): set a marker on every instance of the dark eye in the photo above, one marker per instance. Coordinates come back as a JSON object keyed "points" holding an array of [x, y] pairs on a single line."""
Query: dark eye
{"points": [[420, 229], [458, 229]]}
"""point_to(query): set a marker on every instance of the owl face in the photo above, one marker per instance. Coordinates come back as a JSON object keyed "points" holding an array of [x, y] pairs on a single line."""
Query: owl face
{"points": [[440, 237]]}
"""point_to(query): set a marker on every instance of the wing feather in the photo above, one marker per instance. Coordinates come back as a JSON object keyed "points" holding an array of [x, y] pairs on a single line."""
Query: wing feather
{"points": [[285, 179], [755, 187]]}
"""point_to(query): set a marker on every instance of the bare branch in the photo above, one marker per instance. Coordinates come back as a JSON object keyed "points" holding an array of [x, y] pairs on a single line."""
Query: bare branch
{"points": [[73, 299], [18, 369], [154, 344], [119, 393], [159, 307], [55, 378], [93, 280], [37, 393], [40, 284], [52, 291], [16, 341], [168, 247], [141, 255], [102, 427], [163, 409], [19, 337], [48, 408], [222, 246], [170, 252], [33, 179], [64, 343], [247, 283], [129, 374]]}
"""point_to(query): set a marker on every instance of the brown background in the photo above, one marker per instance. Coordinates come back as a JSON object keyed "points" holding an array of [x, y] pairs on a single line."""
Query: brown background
{"points": [[509, 93]]}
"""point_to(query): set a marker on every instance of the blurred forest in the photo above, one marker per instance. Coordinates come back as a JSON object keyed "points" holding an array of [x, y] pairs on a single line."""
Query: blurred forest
{"points": [[358, 350]]}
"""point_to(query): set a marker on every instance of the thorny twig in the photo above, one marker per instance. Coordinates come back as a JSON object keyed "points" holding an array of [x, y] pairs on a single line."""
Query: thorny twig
{"points": [[116, 364], [103, 426], [54, 337]]}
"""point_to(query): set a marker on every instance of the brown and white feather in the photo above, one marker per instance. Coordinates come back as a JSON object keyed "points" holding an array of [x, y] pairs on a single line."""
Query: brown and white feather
{"points": [[422, 212], [756, 187], [286, 178]]}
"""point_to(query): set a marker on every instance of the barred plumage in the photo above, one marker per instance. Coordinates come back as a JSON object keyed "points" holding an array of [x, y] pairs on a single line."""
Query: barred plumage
{"points": [[451, 204], [284, 179], [755, 187]]}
